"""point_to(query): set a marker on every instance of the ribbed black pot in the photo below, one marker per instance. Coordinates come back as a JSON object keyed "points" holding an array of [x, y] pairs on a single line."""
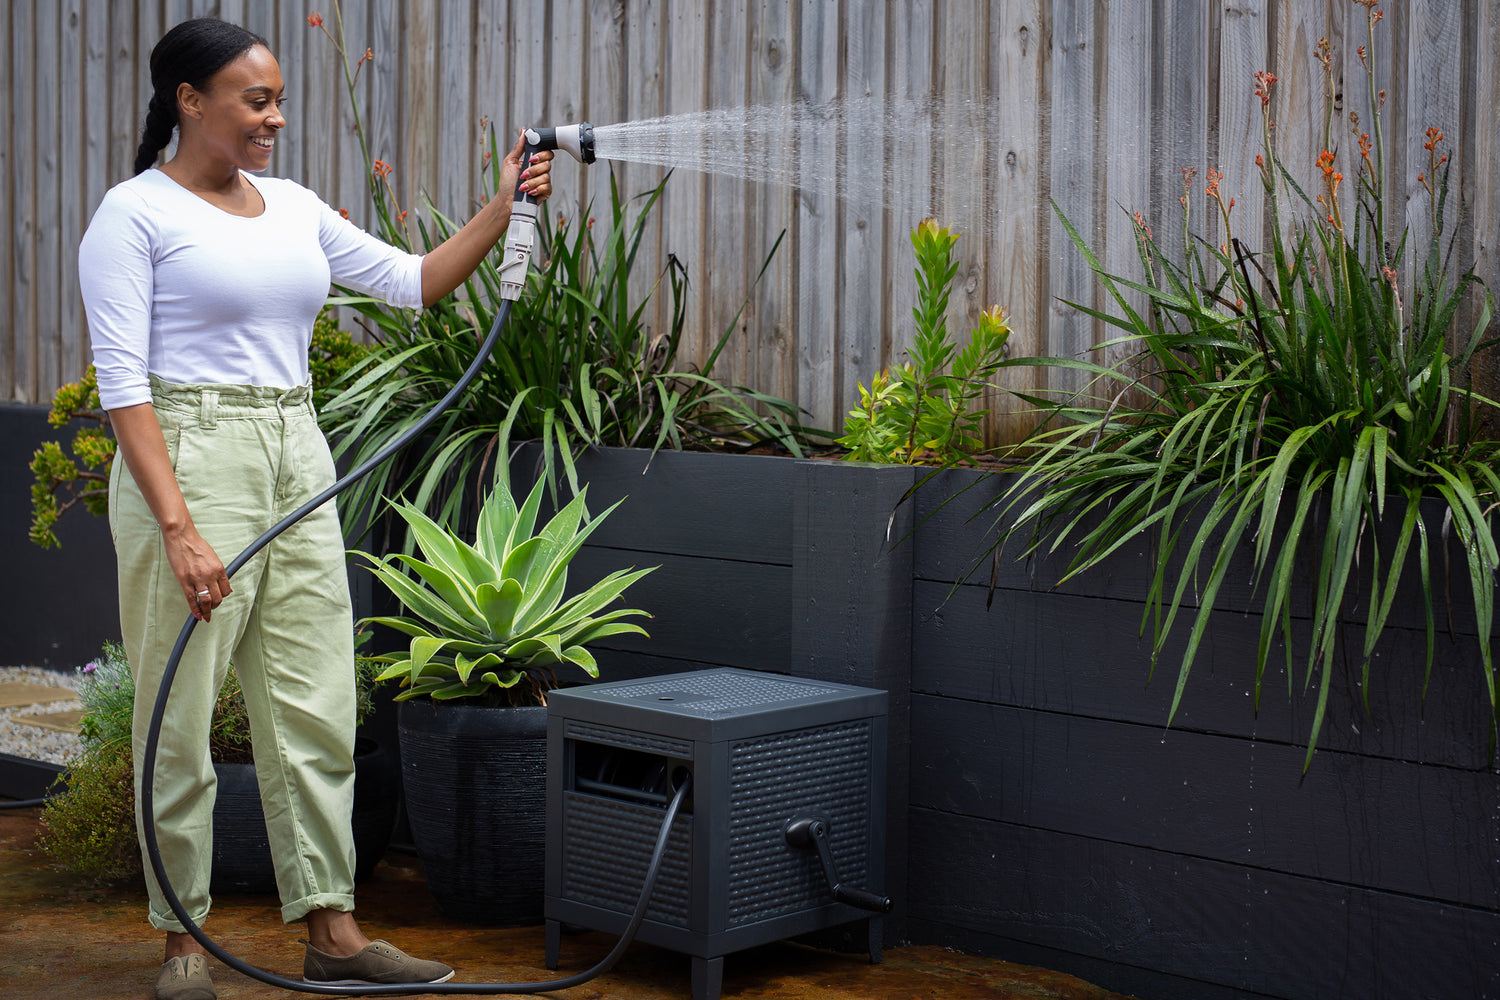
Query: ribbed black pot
{"points": [[242, 853], [475, 781]]}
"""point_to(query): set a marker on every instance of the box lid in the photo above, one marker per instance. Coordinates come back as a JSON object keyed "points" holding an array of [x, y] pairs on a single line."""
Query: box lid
{"points": [[718, 704]]}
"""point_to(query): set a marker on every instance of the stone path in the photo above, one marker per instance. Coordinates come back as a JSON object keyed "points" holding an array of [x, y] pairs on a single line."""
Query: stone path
{"points": [[39, 713]]}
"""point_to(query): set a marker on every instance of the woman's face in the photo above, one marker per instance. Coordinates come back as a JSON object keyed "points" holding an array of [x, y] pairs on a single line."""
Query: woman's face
{"points": [[239, 112]]}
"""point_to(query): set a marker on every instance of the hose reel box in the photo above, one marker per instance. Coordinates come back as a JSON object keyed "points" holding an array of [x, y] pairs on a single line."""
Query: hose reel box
{"points": [[783, 833]]}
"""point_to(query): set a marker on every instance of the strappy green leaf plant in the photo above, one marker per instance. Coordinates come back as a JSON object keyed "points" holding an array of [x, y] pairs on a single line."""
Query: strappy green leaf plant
{"points": [[578, 365], [1288, 401], [489, 622]]}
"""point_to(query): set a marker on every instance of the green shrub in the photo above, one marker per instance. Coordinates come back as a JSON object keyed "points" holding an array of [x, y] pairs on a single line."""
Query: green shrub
{"points": [[90, 829], [923, 411], [330, 355], [83, 477], [107, 691]]}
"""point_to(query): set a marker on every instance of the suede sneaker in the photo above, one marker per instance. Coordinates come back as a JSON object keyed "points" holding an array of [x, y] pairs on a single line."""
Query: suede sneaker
{"points": [[185, 978], [380, 963]]}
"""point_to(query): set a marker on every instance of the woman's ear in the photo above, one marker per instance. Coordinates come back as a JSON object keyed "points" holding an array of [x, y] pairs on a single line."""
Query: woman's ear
{"points": [[189, 102]]}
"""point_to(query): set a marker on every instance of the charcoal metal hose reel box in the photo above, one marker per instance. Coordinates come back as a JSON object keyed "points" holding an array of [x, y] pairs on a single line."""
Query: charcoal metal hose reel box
{"points": [[787, 805]]}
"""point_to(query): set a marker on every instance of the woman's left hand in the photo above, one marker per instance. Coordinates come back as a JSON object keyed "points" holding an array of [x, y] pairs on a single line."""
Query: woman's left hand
{"points": [[449, 264], [537, 178]]}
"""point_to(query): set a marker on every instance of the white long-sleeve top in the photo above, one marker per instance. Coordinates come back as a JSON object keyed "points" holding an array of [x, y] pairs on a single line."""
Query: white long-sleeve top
{"points": [[176, 287]]}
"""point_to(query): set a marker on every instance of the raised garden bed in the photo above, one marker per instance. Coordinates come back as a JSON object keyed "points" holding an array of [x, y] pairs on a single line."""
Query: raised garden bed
{"points": [[1040, 809]]}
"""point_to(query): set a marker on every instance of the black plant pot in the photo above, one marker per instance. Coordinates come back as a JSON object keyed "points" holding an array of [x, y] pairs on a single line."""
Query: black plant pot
{"points": [[476, 788], [242, 853]]}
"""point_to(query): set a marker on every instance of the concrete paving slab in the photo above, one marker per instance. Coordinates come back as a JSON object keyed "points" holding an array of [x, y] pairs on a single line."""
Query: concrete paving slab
{"points": [[14, 693], [65, 721]]}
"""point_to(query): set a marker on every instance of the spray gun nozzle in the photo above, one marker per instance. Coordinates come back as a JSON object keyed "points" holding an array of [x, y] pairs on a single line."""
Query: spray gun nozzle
{"points": [[578, 140]]}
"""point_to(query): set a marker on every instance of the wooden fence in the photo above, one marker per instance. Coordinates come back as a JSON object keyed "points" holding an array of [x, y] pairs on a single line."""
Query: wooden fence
{"points": [[1094, 104]]}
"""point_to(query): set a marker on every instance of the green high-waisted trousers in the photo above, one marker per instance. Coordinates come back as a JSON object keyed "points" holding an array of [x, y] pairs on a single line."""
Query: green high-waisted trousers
{"points": [[245, 456]]}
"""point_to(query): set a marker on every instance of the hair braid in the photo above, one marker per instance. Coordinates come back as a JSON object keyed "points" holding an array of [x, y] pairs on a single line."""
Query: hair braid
{"points": [[161, 119]]}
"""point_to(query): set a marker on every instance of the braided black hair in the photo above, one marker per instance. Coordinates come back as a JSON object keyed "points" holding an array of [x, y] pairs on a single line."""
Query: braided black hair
{"points": [[190, 53]]}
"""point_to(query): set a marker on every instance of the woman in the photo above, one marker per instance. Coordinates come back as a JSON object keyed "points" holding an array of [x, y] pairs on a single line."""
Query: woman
{"points": [[201, 283]]}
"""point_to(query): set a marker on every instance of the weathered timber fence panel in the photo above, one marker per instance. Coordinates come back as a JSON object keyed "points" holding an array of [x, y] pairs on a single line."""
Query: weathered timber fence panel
{"points": [[1096, 106]]}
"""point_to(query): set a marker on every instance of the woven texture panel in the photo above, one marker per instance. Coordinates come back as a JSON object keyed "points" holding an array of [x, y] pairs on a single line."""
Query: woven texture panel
{"points": [[488, 867], [824, 772], [667, 746], [721, 695], [608, 847]]}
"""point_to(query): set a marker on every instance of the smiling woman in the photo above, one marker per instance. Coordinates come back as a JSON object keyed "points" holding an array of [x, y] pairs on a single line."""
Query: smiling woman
{"points": [[201, 282]]}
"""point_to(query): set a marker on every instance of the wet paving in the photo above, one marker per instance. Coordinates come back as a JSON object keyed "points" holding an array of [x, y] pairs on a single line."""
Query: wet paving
{"points": [[62, 940]]}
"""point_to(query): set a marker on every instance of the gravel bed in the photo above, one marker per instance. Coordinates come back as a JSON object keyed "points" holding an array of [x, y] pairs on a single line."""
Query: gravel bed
{"points": [[32, 742]]}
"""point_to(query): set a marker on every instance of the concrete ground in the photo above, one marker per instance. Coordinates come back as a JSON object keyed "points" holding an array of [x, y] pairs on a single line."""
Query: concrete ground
{"points": [[60, 940]]}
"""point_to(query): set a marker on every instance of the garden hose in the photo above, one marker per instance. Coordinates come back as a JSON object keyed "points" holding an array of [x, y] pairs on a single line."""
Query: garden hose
{"points": [[158, 712]]}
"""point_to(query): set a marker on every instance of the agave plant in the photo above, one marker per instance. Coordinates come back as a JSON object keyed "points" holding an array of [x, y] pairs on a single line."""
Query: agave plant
{"points": [[489, 620]]}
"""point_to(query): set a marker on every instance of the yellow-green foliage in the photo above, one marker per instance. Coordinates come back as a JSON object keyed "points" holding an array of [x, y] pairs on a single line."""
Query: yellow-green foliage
{"points": [[923, 411], [91, 830], [59, 476]]}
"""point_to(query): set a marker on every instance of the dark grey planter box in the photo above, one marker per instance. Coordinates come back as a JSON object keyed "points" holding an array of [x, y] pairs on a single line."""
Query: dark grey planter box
{"points": [[1196, 861], [1041, 810]]}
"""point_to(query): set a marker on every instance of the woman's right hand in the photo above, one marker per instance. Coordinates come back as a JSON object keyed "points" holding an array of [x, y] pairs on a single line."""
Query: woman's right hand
{"points": [[194, 563], [198, 569]]}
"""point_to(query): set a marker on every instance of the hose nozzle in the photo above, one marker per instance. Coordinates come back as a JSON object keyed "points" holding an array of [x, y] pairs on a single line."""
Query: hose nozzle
{"points": [[520, 238], [577, 140]]}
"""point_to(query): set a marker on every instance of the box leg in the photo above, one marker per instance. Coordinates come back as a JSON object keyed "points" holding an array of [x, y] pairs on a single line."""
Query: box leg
{"points": [[554, 942], [877, 938], [708, 977]]}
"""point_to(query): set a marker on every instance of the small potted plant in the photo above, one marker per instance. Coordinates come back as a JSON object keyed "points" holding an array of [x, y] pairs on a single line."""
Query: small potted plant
{"points": [[489, 625], [90, 828]]}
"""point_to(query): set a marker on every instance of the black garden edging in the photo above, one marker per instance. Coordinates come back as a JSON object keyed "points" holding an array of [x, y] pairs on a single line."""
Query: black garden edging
{"points": [[22, 778]]}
